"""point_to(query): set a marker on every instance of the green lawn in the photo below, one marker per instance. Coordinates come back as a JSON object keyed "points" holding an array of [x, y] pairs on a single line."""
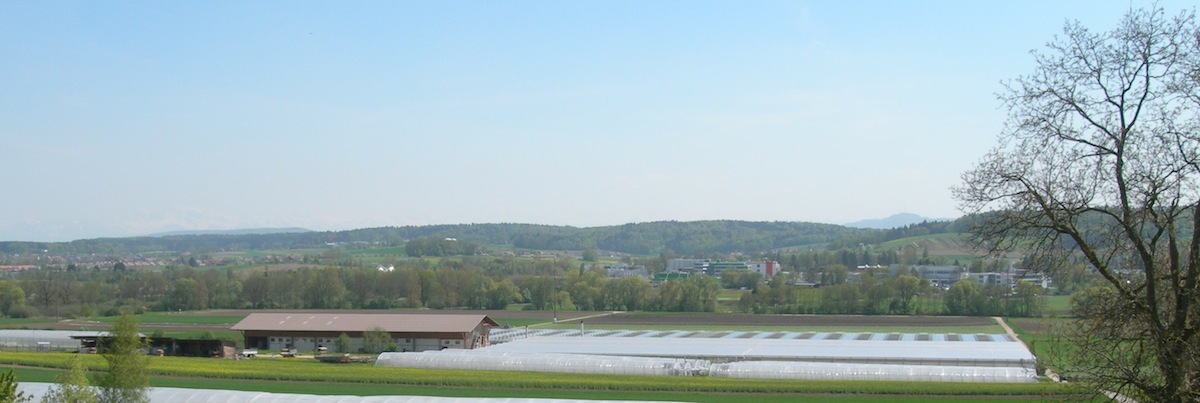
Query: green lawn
{"points": [[1058, 305]]}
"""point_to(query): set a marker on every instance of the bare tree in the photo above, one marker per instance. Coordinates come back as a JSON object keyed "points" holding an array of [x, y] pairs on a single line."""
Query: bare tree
{"points": [[1099, 162]]}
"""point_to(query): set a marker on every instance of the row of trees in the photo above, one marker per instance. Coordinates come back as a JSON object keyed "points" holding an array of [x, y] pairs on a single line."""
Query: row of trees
{"points": [[902, 295], [462, 283], [484, 284]]}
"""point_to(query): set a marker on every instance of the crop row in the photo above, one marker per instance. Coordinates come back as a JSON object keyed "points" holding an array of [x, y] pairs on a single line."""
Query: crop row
{"points": [[314, 371]]}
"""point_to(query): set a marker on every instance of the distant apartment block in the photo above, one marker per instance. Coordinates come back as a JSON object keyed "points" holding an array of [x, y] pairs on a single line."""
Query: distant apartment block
{"points": [[619, 270], [714, 268], [938, 276]]}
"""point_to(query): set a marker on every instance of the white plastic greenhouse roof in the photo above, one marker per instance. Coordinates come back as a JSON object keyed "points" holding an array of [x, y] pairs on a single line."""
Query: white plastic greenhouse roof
{"points": [[873, 372], [880, 348], [517, 333], [52, 339], [480, 359], [179, 395]]}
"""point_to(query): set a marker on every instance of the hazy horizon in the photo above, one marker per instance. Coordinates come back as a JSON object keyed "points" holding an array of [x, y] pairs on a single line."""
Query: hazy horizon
{"points": [[122, 119], [294, 228]]}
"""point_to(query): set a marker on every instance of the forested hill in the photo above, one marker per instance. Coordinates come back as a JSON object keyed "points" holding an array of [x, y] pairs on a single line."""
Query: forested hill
{"points": [[684, 238]]}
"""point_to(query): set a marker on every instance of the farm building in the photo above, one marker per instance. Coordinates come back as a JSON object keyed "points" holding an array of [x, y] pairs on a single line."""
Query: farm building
{"points": [[410, 332], [193, 347], [43, 340]]}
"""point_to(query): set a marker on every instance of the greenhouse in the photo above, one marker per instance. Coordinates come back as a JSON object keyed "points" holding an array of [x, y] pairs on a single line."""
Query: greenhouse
{"points": [[544, 362], [867, 348], [42, 340], [179, 395], [870, 372], [796, 355]]}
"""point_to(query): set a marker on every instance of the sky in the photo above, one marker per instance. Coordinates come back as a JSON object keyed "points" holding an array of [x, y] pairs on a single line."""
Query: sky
{"points": [[126, 118]]}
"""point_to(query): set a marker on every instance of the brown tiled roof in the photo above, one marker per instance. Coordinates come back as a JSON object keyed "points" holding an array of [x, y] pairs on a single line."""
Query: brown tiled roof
{"points": [[357, 322]]}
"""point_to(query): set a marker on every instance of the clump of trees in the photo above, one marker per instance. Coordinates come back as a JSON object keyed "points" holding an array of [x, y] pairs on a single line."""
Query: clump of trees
{"points": [[440, 247]]}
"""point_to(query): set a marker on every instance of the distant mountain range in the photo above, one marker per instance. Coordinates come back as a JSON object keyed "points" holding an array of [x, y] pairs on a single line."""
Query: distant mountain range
{"points": [[247, 231], [894, 221]]}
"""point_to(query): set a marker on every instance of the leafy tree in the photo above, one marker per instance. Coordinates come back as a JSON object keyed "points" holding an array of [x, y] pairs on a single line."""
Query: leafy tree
{"points": [[8, 389], [1100, 160], [126, 379], [835, 274], [963, 298], [626, 294], [187, 294], [376, 340], [343, 343], [906, 287], [71, 386], [841, 299], [12, 298], [324, 289], [1028, 300], [740, 278]]}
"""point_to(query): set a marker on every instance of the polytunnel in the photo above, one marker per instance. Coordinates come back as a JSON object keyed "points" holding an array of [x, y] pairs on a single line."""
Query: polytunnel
{"points": [[544, 362], [41, 340], [862, 348], [180, 395], [871, 372]]}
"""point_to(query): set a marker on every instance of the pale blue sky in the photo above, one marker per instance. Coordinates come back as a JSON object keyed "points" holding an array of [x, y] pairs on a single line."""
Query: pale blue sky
{"points": [[135, 117]]}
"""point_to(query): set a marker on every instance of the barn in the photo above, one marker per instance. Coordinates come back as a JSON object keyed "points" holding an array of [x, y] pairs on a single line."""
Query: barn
{"points": [[302, 331]]}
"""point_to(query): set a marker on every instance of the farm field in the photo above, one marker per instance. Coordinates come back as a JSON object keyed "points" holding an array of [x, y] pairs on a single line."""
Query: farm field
{"points": [[311, 377]]}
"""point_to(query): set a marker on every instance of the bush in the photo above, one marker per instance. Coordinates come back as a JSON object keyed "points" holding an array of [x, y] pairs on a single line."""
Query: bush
{"points": [[22, 311]]}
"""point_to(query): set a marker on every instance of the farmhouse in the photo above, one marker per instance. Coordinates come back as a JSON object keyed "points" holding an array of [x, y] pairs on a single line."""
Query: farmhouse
{"points": [[410, 332]]}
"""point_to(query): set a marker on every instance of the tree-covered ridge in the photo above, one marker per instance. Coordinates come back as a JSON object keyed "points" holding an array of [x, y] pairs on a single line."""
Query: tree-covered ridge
{"points": [[685, 238]]}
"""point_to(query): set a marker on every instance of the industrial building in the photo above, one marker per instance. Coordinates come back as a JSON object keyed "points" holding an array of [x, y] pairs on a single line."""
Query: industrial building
{"points": [[409, 332], [714, 268]]}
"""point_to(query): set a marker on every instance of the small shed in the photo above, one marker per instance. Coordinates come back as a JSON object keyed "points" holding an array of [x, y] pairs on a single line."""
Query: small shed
{"points": [[97, 342], [193, 347]]}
